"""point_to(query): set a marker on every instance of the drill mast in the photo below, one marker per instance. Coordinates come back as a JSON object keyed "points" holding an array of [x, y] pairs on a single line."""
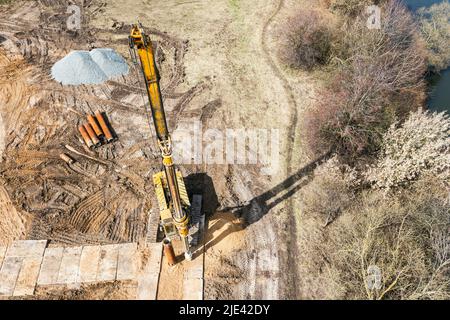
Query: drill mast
{"points": [[140, 42]]}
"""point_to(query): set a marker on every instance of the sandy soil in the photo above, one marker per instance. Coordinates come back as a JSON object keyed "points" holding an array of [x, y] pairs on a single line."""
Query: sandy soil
{"points": [[123, 290], [171, 277], [225, 237]]}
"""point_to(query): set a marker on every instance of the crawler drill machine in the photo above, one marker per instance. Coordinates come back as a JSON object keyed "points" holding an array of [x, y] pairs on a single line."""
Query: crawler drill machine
{"points": [[170, 190]]}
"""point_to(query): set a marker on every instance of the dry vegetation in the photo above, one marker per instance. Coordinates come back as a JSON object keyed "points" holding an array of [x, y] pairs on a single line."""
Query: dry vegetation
{"points": [[307, 40], [350, 7], [403, 235], [381, 204]]}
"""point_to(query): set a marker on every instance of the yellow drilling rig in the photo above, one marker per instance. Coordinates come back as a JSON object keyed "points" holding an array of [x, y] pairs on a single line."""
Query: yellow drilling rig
{"points": [[170, 190]]}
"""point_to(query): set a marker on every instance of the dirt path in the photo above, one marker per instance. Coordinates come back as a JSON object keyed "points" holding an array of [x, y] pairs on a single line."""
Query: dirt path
{"points": [[290, 261]]}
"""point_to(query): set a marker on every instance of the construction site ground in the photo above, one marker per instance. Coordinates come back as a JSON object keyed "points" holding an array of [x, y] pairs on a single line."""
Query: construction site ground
{"points": [[219, 68]]}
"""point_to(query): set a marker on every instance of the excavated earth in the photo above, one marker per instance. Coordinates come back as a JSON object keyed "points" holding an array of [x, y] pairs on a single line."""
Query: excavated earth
{"points": [[219, 69]]}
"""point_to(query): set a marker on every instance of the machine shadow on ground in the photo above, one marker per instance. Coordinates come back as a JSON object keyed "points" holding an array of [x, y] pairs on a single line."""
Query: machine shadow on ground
{"points": [[253, 210], [258, 207]]}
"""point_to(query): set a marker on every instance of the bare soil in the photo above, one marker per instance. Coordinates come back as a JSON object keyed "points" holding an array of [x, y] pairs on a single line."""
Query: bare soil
{"points": [[117, 290]]}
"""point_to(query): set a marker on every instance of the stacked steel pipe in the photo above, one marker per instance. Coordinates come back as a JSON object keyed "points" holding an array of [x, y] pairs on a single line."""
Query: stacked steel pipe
{"points": [[95, 131]]}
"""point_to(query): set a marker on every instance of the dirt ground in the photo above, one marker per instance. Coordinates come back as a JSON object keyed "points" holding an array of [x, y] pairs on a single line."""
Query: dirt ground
{"points": [[219, 68], [171, 277], [118, 290]]}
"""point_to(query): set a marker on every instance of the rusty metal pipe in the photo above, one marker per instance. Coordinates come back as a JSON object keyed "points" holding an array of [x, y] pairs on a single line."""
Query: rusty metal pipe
{"points": [[92, 134], [95, 126], [85, 135], [108, 135], [169, 252]]}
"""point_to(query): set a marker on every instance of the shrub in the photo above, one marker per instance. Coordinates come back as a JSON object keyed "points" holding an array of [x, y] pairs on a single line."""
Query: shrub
{"points": [[346, 121], [349, 7], [331, 191], [405, 238], [435, 26], [305, 41], [419, 147]]}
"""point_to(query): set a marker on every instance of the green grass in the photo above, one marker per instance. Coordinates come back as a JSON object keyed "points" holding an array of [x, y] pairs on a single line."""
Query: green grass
{"points": [[233, 3]]}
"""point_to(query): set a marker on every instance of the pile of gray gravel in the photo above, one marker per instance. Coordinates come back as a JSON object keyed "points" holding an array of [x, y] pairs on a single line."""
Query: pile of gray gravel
{"points": [[89, 67]]}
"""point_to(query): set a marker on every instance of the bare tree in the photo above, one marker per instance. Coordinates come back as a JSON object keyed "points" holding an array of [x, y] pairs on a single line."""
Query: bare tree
{"points": [[380, 80]]}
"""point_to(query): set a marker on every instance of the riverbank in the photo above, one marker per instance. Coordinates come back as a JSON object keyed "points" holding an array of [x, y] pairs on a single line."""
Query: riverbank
{"points": [[438, 83]]}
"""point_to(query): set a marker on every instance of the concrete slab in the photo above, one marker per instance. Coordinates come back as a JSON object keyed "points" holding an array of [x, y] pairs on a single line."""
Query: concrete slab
{"points": [[155, 256], [2, 255], [148, 287], [50, 266], [70, 264], [193, 289], [89, 262], [149, 277], [9, 274], [193, 279], [194, 273], [108, 262], [126, 264], [28, 276], [26, 248]]}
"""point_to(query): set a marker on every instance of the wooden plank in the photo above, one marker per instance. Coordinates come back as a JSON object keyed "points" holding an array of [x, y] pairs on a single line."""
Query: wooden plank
{"points": [[126, 264], [108, 262], [26, 248], [8, 275], [50, 266], [70, 264], [90, 258], [28, 275]]}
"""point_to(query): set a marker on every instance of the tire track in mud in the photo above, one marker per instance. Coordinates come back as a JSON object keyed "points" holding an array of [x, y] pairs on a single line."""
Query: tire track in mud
{"points": [[291, 284]]}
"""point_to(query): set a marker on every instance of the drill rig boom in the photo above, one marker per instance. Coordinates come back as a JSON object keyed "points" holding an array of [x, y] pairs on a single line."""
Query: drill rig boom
{"points": [[170, 189]]}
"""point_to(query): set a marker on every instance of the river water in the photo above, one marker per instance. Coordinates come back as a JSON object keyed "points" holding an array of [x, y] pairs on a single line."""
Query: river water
{"points": [[439, 98]]}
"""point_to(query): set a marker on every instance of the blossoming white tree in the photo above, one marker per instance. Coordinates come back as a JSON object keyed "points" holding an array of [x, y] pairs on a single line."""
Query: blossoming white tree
{"points": [[418, 147]]}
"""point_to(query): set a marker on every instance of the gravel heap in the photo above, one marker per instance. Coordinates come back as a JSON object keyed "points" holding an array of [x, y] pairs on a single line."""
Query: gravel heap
{"points": [[110, 62], [84, 67]]}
